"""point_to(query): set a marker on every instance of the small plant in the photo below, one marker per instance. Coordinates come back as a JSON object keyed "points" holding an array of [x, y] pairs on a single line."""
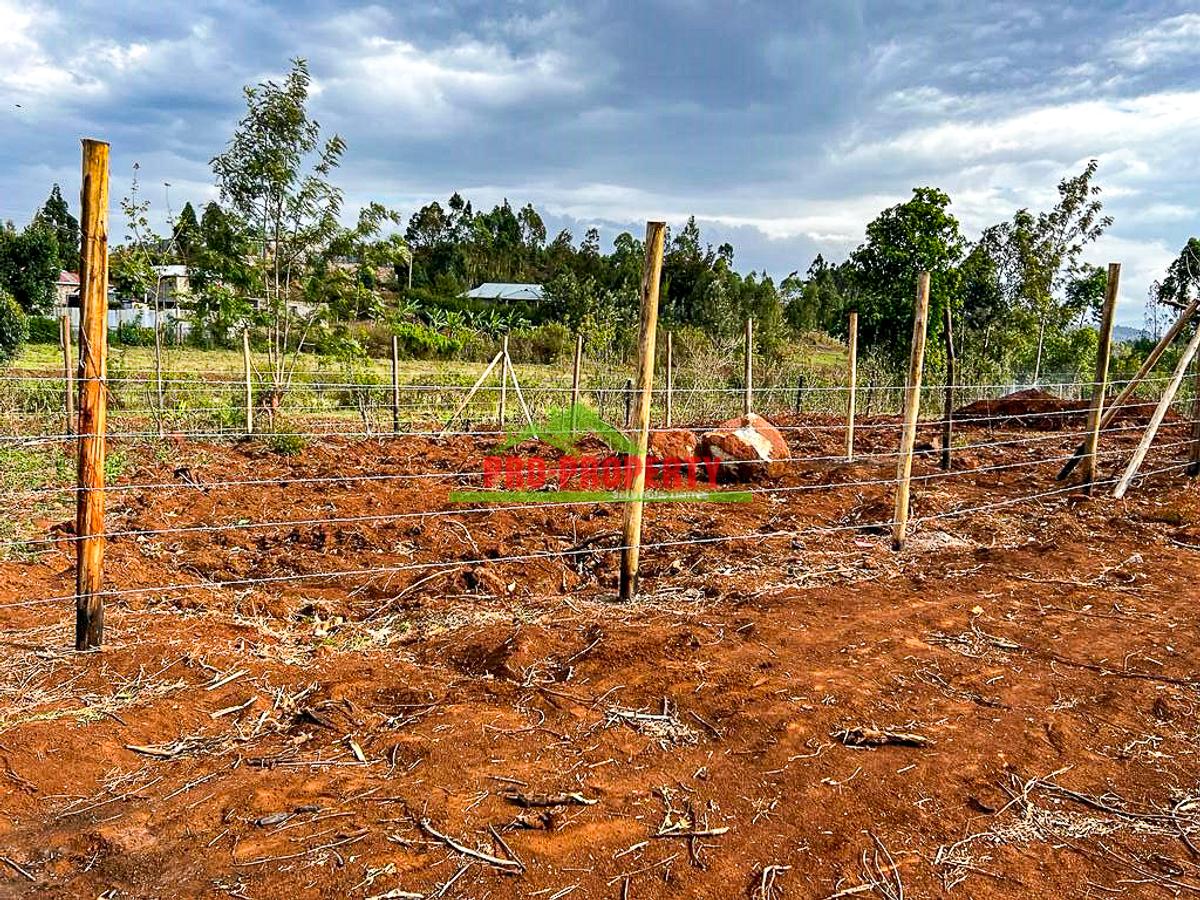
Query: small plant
{"points": [[286, 443]]}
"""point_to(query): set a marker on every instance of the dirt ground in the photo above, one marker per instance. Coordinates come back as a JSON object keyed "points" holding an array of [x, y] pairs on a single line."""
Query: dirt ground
{"points": [[464, 729]]}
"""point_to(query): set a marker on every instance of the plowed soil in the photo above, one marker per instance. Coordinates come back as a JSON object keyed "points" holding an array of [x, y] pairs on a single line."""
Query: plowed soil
{"points": [[436, 721]]}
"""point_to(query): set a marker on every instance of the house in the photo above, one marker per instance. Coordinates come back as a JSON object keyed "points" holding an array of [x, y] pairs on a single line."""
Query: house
{"points": [[172, 285], [500, 290], [66, 285]]}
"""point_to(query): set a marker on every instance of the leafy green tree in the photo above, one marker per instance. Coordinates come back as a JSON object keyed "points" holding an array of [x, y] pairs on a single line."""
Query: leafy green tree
{"points": [[29, 265], [14, 327], [56, 214]]}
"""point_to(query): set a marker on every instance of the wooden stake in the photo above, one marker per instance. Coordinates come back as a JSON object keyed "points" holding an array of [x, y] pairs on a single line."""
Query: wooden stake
{"points": [[912, 408], [160, 402], [799, 393], [670, 377], [748, 401], [93, 397], [1091, 442], [504, 381], [471, 393], [1194, 467], [948, 409], [1151, 360], [248, 374], [851, 383], [576, 366], [69, 365], [628, 392], [632, 532], [1160, 413], [395, 384]]}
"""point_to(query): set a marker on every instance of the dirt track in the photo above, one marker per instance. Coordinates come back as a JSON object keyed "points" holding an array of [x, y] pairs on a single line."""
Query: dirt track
{"points": [[1050, 636]]}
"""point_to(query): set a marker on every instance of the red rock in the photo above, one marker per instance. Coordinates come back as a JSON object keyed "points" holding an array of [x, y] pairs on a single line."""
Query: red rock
{"points": [[753, 443], [678, 443]]}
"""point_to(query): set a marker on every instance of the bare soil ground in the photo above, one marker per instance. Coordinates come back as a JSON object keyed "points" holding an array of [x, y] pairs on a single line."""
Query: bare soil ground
{"points": [[1029, 666]]}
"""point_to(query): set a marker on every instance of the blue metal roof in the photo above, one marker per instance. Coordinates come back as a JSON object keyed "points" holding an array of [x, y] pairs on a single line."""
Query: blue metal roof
{"points": [[500, 290]]}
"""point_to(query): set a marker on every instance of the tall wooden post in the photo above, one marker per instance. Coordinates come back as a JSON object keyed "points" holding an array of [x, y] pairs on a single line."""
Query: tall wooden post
{"points": [[69, 365], [799, 393], [93, 397], [632, 532], [1194, 468], [912, 408], [159, 398], [748, 400], [395, 384], [1091, 441], [248, 385], [948, 408], [851, 384], [576, 368], [503, 381], [670, 378]]}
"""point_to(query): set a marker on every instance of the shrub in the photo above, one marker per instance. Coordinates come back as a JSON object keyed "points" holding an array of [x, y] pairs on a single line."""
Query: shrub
{"points": [[43, 330], [286, 443], [14, 328], [547, 343], [419, 341], [130, 334]]}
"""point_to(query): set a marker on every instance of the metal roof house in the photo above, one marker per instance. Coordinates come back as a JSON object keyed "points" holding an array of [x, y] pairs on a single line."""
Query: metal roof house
{"points": [[499, 290]]}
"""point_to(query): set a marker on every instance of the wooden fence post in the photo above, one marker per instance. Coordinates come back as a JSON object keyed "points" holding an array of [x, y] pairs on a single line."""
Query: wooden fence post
{"points": [[1091, 441], [632, 531], [1160, 413], [503, 381], [395, 384], [69, 365], [748, 400], [670, 377], [852, 384], [248, 375], [948, 409], [93, 397], [576, 367], [1194, 468], [160, 400], [912, 409], [799, 393]]}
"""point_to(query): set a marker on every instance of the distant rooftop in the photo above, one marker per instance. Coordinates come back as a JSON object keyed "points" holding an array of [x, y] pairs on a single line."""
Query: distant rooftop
{"points": [[500, 290]]}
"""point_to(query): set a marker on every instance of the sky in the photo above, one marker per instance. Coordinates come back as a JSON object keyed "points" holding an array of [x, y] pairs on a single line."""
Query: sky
{"points": [[783, 127]]}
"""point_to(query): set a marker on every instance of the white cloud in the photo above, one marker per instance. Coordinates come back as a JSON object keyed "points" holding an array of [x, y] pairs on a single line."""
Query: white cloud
{"points": [[1160, 43]]}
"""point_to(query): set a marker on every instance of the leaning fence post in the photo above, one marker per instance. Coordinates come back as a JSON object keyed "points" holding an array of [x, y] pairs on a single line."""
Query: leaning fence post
{"points": [[68, 372], [395, 384], [670, 377], [748, 399], [851, 384], [93, 397], [912, 408], [248, 376], [632, 531], [1091, 441], [948, 411], [576, 366]]}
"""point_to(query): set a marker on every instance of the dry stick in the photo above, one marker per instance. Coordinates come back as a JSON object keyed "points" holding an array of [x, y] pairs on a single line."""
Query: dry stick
{"points": [[1091, 443], [1194, 467], [851, 384], [508, 865], [248, 374], [471, 393], [575, 369], [670, 377], [68, 371], [93, 397], [504, 381], [1159, 349], [748, 400], [1160, 413], [948, 413], [395, 384], [632, 530], [912, 408]]}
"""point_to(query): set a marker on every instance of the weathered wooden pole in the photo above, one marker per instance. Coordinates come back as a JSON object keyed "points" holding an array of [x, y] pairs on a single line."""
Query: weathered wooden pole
{"points": [[504, 380], [1160, 413], [576, 368], [748, 399], [628, 392], [395, 384], [1194, 468], [799, 393], [160, 402], [632, 531], [93, 397], [851, 383], [912, 409], [1151, 360], [1091, 441], [248, 383], [948, 409], [670, 378], [69, 365]]}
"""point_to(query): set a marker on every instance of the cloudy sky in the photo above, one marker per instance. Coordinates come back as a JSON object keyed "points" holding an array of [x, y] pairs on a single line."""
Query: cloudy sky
{"points": [[784, 127]]}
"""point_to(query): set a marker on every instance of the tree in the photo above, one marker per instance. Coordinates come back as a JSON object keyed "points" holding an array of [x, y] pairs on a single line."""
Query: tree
{"points": [[275, 174], [14, 327], [1085, 294], [29, 265], [56, 214]]}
